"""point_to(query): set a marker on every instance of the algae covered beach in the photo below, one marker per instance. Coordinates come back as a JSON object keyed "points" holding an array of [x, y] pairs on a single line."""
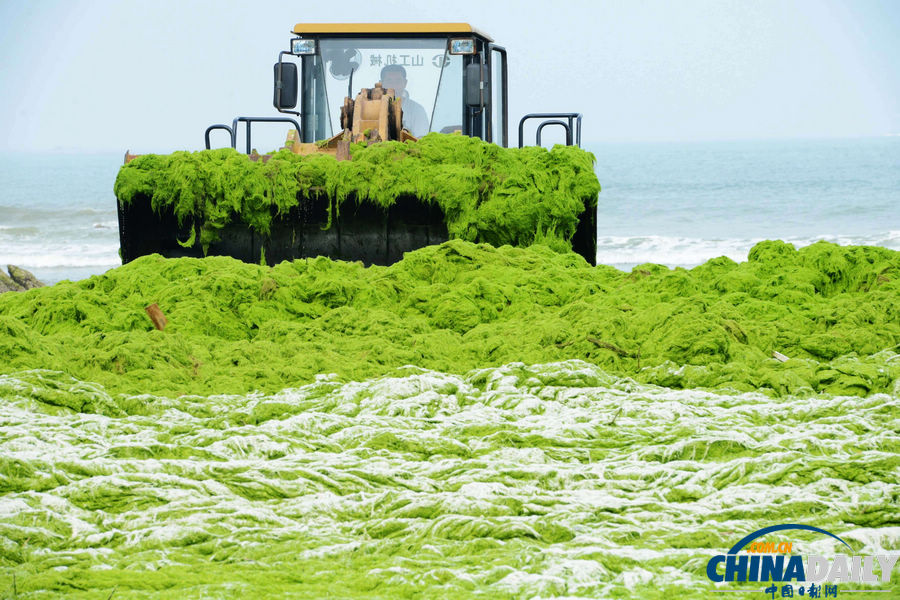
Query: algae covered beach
{"points": [[237, 328], [470, 421], [523, 300]]}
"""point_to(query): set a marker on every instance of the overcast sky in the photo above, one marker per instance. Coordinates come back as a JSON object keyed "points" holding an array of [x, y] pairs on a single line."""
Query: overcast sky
{"points": [[150, 76]]}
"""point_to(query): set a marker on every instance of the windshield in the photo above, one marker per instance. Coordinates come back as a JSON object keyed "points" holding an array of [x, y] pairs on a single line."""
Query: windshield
{"points": [[422, 73]]}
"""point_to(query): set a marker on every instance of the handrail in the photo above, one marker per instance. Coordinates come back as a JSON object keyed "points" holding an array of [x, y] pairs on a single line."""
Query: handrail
{"points": [[572, 121], [219, 126], [232, 131], [554, 122], [249, 120]]}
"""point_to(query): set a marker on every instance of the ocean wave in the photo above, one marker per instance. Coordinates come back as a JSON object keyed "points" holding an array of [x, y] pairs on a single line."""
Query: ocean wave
{"points": [[622, 251], [690, 252], [39, 256], [37, 213], [96, 211], [111, 224], [17, 231]]}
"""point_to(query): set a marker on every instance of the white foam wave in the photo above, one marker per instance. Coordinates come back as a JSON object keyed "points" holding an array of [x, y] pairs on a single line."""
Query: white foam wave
{"points": [[18, 230], [106, 225], [626, 252], [35, 256]]}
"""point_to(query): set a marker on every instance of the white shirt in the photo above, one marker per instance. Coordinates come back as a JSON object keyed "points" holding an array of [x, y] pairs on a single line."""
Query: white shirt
{"points": [[415, 119]]}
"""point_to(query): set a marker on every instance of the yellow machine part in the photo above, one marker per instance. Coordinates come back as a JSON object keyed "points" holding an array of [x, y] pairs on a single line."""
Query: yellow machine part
{"points": [[380, 28], [374, 116]]}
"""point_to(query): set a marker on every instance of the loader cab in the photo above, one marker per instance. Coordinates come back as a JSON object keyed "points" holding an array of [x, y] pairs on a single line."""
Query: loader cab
{"points": [[454, 73]]}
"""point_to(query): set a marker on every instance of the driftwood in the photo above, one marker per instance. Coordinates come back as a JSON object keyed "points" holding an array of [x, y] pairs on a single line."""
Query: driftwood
{"points": [[157, 316], [606, 345]]}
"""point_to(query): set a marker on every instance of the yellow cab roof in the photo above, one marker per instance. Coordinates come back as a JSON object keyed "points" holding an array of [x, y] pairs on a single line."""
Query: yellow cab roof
{"points": [[383, 28]]}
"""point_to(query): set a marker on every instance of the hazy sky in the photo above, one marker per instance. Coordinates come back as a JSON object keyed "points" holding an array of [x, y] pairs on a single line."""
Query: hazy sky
{"points": [[150, 76]]}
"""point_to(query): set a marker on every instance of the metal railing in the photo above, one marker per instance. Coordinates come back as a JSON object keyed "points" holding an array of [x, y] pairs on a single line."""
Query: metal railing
{"points": [[219, 126], [232, 131], [572, 122]]}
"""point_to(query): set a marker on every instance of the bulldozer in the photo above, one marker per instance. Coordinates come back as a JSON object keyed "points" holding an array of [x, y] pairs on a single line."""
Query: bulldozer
{"points": [[413, 79]]}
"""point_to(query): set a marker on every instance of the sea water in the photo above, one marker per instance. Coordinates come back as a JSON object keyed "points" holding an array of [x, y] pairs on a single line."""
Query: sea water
{"points": [[680, 204], [530, 481], [676, 204], [58, 214]]}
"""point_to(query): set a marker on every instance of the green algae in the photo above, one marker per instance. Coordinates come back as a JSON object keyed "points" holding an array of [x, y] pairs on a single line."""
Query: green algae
{"points": [[235, 327], [520, 481], [388, 480], [487, 193]]}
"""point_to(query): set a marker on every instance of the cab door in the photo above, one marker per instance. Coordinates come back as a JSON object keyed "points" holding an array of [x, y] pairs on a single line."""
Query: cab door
{"points": [[497, 105], [485, 92], [476, 94]]}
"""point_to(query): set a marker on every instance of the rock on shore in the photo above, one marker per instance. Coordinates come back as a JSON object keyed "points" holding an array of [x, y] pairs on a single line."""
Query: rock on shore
{"points": [[18, 280]]}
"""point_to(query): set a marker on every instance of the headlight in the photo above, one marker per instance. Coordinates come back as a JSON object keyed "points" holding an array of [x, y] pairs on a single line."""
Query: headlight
{"points": [[462, 46], [299, 46]]}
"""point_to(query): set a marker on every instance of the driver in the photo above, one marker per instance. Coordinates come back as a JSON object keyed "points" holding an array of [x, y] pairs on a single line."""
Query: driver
{"points": [[415, 119]]}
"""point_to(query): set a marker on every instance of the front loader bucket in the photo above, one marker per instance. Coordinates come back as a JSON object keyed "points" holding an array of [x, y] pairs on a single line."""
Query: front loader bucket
{"points": [[360, 232], [584, 242], [386, 199]]}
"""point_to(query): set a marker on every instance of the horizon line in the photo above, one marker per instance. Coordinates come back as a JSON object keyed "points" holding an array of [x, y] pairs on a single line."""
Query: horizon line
{"points": [[76, 150]]}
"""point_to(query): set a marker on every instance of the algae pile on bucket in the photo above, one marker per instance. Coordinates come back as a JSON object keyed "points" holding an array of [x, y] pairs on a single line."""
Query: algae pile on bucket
{"points": [[470, 421], [487, 193]]}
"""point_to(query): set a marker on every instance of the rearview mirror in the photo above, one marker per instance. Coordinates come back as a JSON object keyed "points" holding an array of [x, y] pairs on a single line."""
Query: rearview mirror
{"points": [[285, 85], [474, 85]]}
